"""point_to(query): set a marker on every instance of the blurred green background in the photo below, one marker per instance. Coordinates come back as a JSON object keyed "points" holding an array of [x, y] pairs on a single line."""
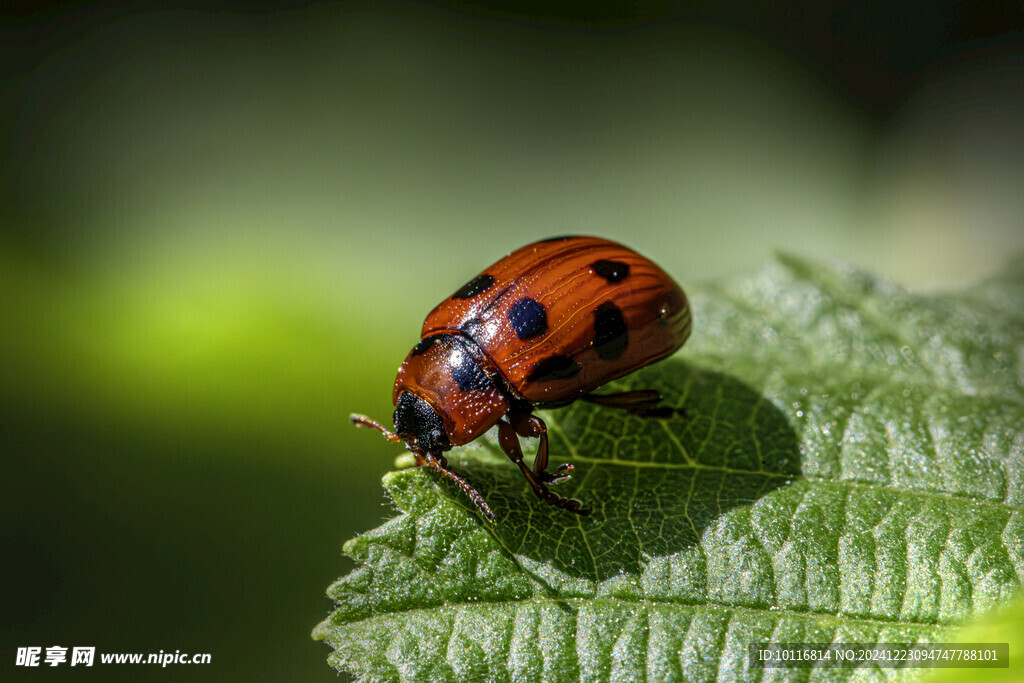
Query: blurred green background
{"points": [[223, 223]]}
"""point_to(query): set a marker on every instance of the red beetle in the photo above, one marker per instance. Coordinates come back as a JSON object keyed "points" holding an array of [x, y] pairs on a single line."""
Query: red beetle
{"points": [[542, 327]]}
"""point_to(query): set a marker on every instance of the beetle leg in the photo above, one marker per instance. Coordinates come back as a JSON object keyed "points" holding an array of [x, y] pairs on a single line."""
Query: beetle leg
{"points": [[363, 421], [532, 426], [643, 402], [439, 463], [510, 444]]}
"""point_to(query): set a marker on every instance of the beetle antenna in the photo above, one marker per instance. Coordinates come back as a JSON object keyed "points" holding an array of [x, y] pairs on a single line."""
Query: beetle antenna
{"points": [[440, 464], [363, 421]]}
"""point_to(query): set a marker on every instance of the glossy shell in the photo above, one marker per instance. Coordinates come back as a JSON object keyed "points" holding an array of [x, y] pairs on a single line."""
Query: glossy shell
{"points": [[559, 318], [447, 371]]}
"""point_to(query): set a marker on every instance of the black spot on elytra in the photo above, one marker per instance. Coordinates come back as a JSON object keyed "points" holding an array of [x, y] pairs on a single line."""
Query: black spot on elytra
{"points": [[466, 372], [560, 238], [481, 283], [611, 336], [528, 318], [612, 271], [423, 345], [553, 368]]}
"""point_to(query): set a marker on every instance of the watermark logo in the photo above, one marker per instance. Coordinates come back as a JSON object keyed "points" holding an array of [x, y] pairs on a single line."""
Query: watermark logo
{"points": [[56, 655]]}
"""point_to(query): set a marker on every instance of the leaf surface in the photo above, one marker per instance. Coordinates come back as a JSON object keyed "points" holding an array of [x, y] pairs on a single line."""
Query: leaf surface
{"points": [[848, 469]]}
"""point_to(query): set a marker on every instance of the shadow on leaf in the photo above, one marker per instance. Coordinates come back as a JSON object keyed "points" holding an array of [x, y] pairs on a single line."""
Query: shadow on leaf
{"points": [[653, 485]]}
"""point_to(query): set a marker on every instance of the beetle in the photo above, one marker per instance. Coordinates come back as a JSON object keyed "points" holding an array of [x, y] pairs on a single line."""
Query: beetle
{"points": [[540, 328]]}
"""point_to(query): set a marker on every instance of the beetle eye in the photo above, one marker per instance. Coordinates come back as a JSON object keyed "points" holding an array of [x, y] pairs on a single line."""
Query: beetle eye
{"points": [[416, 420]]}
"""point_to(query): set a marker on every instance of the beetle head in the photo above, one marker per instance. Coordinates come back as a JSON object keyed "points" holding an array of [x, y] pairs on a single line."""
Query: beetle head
{"points": [[419, 425]]}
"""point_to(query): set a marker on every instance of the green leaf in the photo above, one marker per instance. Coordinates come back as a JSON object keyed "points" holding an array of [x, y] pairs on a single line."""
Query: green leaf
{"points": [[1005, 625], [849, 469]]}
